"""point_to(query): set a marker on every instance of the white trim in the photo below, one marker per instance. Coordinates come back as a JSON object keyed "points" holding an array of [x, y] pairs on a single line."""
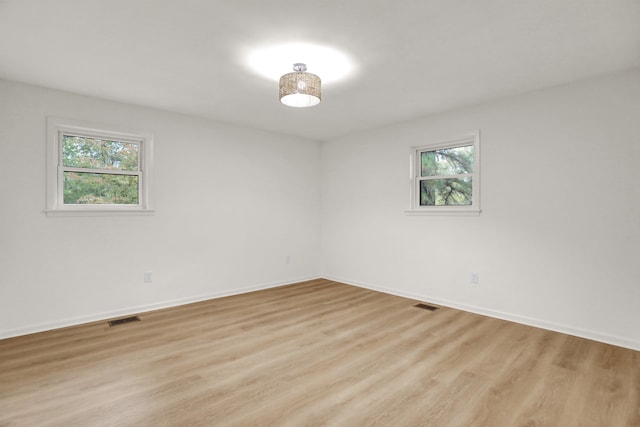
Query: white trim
{"points": [[444, 212], [54, 194], [551, 326], [61, 212], [102, 171], [529, 321], [96, 317], [469, 138]]}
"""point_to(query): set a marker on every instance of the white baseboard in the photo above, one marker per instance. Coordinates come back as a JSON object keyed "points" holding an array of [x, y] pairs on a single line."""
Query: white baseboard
{"points": [[96, 317], [565, 329], [592, 335]]}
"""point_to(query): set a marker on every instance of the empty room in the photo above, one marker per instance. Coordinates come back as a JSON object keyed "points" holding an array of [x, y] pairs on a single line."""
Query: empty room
{"points": [[329, 213]]}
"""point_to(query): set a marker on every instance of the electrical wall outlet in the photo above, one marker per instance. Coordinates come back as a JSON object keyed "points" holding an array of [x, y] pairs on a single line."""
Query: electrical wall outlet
{"points": [[148, 276], [474, 278]]}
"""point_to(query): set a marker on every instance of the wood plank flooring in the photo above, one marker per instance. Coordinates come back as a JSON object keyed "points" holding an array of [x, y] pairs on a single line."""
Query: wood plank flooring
{"points": [[318, 353]]}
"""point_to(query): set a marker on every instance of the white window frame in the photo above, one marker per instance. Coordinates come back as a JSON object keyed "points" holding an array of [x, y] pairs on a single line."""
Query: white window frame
{"points": [[56, 128], [470, 138]]}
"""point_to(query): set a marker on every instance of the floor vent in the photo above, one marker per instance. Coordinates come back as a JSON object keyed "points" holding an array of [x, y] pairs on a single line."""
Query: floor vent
{"points": [[124, 320], [427, 307]]}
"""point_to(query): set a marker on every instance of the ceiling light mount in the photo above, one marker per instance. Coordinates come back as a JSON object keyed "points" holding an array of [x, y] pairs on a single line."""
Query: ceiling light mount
{"points": [[300, 88], [299, 67]]}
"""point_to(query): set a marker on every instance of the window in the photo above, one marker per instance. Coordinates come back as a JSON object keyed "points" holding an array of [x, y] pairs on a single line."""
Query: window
{"points": [[92, 170], [445, 177]]}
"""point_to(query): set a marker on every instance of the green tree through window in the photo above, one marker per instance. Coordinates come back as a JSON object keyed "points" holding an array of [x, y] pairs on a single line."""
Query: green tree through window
{"points": [[100, 171], [446, 180], [445, 176]]}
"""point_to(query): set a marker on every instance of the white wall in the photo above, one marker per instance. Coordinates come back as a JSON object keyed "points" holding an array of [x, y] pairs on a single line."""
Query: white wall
{"points": [[231, 205], [558, 241], [556, 245]]}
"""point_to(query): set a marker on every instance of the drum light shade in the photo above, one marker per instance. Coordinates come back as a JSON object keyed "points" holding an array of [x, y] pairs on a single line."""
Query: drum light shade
{"points": [[300, 89]]}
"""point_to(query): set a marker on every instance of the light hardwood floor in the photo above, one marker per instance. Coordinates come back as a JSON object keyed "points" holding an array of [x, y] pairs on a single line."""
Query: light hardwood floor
{"points": [[311, 354]]}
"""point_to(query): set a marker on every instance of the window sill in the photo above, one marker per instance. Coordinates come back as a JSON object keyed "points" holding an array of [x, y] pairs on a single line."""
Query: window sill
{"points": [[444, 212], [98, 212]]}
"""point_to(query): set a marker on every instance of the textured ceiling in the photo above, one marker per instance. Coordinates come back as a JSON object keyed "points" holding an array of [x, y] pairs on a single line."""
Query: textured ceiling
{"points": [[411, 58]]}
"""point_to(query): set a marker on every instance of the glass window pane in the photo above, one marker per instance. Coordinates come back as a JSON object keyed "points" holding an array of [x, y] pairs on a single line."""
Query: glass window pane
{"points": [[446, 192], [448, 161], [95, 188], [84, 152]]}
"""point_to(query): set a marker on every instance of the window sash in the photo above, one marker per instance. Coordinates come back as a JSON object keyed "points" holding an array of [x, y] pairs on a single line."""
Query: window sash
{"points": [[61, 202], [436, 173], [92, 135], [462, 175], [62, 169], [113, 190], [100, 171]]}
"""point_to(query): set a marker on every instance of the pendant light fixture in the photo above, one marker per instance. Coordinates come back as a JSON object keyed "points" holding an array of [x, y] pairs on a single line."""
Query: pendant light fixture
{"points": [[300, 89]]}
